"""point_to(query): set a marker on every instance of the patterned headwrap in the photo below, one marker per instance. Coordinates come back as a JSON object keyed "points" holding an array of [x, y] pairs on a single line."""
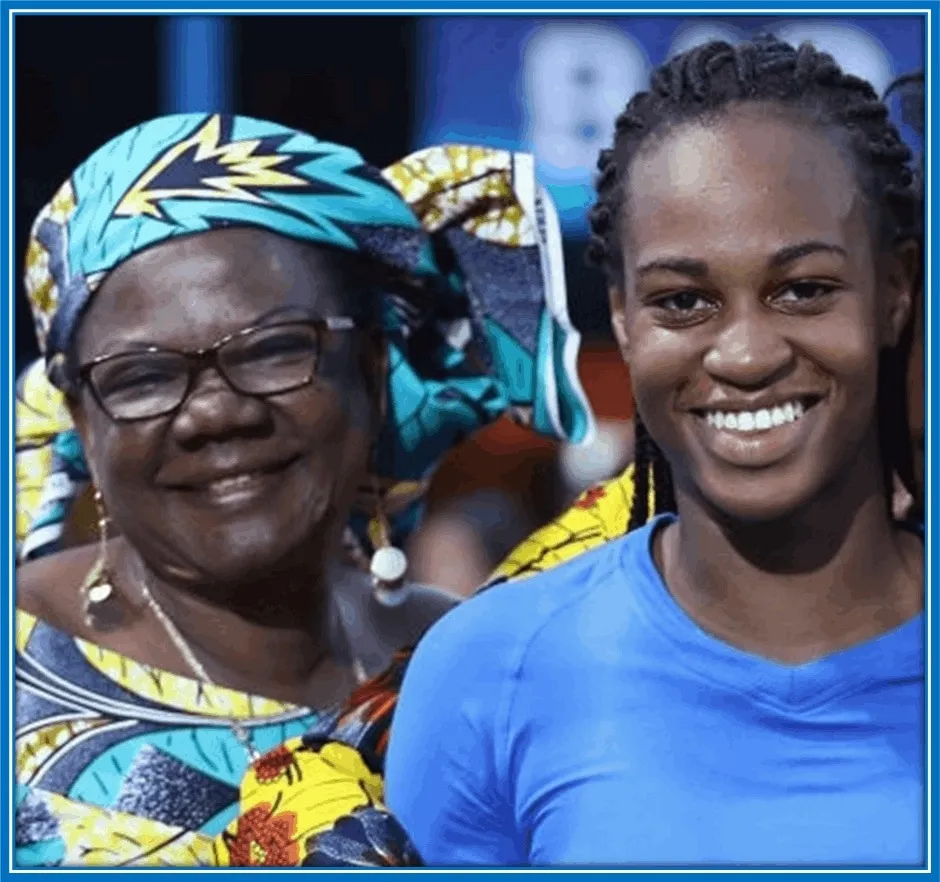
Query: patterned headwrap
{"points": [[470, 229]]}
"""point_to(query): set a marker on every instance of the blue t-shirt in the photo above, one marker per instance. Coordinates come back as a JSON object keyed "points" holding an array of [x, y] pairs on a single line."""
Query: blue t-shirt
{"points": [[581, 717]]}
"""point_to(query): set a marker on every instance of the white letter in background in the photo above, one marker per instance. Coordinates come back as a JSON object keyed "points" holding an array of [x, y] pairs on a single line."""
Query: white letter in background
{"points": [[688, 36], [577, 78], [856, 50]]}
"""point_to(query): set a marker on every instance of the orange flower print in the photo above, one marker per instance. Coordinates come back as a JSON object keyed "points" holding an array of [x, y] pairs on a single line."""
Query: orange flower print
{"points": [[264, 839], [589, 497], [276, 763]]}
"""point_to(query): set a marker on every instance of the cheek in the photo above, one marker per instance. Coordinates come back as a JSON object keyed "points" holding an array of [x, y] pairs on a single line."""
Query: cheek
{"points": [[119, 452], [341, 376], [844, 346], [336, 428], [662, 363], [123, 459]]}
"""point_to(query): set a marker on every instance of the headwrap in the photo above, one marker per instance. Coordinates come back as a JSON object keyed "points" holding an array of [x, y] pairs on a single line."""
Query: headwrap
{"points": [[480, 330]]}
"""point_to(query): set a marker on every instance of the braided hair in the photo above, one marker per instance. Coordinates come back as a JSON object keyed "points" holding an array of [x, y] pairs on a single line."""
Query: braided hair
{"points": [[702, 84]]}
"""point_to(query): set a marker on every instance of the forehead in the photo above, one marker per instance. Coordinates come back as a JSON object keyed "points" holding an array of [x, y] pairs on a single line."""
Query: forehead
{"points": [[190, 291], [745, 181]]}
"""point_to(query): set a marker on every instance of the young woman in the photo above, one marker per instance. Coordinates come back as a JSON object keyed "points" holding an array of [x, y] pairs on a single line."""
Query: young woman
{"points": [[738, 680]]}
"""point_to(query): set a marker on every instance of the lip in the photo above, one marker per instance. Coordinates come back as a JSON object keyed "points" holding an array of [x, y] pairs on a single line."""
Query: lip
{"points": [[234, 485], [761, 448], [758, 402]]}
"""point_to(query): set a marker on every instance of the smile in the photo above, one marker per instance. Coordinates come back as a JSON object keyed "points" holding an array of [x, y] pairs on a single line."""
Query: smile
{"points": [[756, 420], [238, 487], [759, 437], [231, 484]]}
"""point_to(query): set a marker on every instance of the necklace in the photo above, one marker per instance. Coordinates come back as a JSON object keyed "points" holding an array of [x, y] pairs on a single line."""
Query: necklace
{"points": [[239, 729]]}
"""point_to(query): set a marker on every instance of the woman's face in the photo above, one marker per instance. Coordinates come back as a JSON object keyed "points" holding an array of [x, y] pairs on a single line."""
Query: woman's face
{"points": [[753, 311], [229, 485]]}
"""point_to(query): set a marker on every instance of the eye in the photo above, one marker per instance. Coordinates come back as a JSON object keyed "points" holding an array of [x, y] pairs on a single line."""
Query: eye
{"points": [[275, 347], [683, 301], [682, 308], [135, 379], [804, 293]]}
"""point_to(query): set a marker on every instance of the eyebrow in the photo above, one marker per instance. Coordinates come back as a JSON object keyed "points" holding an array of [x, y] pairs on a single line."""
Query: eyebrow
{"points": [[690, 266], [288, 311], [794, 252], [291, 309]]}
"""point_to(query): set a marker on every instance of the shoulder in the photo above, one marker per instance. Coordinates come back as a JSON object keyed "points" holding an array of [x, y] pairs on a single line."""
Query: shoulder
{"points": [[377, 631], [48, 588], [421, 608]]}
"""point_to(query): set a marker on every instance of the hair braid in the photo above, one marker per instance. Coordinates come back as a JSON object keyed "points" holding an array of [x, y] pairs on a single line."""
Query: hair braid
{"points": [[645, 452]]}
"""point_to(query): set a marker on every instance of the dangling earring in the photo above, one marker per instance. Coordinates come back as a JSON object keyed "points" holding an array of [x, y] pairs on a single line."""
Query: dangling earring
{"points": [[389, 564], [101, 611]]}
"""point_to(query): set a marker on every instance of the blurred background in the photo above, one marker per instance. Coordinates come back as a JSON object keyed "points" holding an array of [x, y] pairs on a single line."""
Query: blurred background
{"points": [[388, 85]]}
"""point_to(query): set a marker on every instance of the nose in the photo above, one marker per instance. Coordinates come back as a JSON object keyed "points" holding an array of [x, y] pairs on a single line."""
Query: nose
{"points": [[749, 351], [214, 410]]}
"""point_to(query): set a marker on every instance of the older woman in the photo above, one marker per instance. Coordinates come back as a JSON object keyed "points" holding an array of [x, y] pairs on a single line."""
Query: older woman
{"points": [[244, 323]]}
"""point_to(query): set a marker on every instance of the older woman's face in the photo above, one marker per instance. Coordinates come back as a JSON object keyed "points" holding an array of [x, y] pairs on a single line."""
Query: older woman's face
{"points": [[229, 485], [754, 312]]}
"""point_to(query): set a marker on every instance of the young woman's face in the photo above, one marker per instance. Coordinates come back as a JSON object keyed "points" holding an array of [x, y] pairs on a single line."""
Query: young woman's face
{"points": [[753, 311]]}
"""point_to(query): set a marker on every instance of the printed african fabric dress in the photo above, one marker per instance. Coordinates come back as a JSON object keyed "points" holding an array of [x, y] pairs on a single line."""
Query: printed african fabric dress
{"points": [[120, 764]]}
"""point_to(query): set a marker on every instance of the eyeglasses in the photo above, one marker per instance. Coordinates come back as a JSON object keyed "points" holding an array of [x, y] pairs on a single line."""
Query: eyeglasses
{"points": [[257, 361]]}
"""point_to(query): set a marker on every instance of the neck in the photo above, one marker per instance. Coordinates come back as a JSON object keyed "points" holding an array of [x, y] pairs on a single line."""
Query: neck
{"points": [[274, 636], [800, 587]]}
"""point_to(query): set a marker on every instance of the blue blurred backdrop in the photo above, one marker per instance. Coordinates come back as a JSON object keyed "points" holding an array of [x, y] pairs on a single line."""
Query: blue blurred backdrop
{"points": [[555, 86], [385, 85]]}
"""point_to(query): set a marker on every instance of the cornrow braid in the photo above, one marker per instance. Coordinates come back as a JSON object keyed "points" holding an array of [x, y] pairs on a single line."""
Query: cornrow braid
{"points": [[649, 460], [908, 459], [701, 85]]}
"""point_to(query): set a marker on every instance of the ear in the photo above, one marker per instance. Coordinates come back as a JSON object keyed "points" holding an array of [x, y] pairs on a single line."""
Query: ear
{"points": [[618, 321], [902, 281], [80, 421], [375, 375]]}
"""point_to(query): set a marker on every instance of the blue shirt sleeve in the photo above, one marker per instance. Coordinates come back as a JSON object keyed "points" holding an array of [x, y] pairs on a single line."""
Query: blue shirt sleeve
{"points": [[444, 772]]}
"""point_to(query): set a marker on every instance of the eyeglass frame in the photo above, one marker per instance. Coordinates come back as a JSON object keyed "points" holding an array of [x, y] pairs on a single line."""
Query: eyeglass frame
{"points": [[200, 359]]}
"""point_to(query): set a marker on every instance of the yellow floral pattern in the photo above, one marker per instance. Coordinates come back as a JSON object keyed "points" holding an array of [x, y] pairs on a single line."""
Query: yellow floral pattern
{"points": [[182, 693], [97, 837], [439, 182], [291, 794], [41, 288], [35, 746], [599, 515], [40, 415]]}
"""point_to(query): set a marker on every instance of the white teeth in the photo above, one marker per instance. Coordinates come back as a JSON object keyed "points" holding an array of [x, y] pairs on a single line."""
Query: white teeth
{"points": [[227, 484], [756, 420]]}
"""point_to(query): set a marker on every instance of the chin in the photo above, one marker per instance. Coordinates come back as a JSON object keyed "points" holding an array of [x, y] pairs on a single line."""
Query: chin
{"points": [[237, 552], [763, 496]]}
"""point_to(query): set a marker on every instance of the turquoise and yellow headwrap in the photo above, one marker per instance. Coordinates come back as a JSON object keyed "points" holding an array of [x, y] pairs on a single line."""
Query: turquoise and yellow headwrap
{"points": [[501, 304]]}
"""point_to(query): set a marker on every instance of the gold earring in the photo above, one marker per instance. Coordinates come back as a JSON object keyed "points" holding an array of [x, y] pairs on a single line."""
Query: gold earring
{"points": [[101, 613]]}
